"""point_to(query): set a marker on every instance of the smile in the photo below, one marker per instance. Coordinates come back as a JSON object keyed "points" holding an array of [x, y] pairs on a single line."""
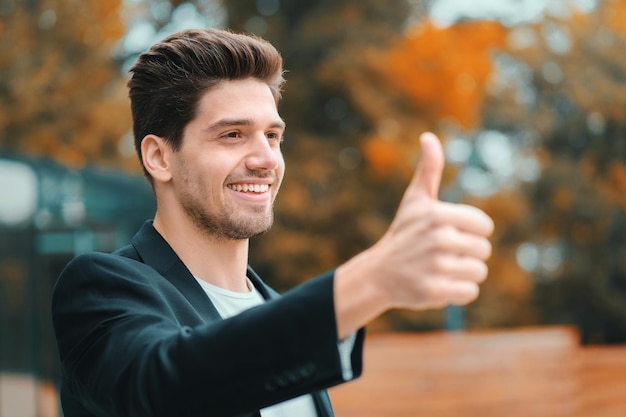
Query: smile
{"points": [[249, 188]]}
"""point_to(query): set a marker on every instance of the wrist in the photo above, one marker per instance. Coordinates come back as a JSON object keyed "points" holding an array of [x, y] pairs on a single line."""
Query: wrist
{"points": [[358, 293]]}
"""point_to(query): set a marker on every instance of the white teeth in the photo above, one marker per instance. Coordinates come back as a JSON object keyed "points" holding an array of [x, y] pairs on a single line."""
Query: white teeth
{"points": [[253, 188]]}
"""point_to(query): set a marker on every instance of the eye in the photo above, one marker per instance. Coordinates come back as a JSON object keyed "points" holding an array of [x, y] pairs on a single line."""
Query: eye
{"points": [[232, 135], [274, 136]]}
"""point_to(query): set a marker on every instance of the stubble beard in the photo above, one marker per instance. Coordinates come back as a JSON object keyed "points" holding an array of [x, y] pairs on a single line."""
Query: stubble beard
{"points": [[229, 225], [226, 222]]}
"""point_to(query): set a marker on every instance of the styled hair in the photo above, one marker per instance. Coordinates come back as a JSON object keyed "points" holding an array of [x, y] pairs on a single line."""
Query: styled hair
{"points": [[168, 80]]}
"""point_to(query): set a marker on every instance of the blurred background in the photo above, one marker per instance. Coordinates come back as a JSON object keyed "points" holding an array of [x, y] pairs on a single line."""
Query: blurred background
{"points": [[529, 97]]}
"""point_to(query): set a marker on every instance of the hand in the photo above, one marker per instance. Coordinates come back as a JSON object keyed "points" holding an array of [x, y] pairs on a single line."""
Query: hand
{"points": [[432, 255], [434, 252]]}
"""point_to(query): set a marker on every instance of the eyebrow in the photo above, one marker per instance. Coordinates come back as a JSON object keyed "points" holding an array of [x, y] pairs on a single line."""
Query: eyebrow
{"points": [[225, 123]]}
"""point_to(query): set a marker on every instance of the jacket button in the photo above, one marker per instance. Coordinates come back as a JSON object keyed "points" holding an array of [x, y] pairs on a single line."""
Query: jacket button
{"points": [[307, 371], [281, 381], [269, 386], [293, 377]]}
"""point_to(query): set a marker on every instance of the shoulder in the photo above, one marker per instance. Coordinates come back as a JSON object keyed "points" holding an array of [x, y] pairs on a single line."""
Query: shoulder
{"points": [[101, 262], [103, 270], [98, 282]]}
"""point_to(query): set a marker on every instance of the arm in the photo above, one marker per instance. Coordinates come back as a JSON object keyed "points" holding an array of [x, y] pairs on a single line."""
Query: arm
{"points": [[432, 255], [125, 350]]}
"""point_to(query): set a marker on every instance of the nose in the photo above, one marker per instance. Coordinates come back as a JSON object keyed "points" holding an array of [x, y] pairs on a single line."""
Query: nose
{"points": [[264, 155]]}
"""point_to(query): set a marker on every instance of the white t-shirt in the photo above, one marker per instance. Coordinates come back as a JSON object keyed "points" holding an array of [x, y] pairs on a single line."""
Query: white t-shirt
{"points": [[230, 303]]}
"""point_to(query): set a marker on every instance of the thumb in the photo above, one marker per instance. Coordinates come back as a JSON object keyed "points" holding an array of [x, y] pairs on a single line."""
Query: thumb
{"points": [[427, 177]]}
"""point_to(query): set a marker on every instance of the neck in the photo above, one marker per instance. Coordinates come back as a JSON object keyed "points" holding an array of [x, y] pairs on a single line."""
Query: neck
{"points": [[215, 260]]}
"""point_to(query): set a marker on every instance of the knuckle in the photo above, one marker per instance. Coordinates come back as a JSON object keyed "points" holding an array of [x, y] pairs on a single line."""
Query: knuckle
{"points": [[438, 262], [436, 212], [442, 237]]}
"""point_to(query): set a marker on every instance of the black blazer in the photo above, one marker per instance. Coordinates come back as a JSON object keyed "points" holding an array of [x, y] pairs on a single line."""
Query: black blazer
{"points": [[138, 336]]}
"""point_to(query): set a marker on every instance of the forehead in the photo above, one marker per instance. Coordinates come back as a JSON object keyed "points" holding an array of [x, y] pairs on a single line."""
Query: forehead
{"points": [[237, 98]]}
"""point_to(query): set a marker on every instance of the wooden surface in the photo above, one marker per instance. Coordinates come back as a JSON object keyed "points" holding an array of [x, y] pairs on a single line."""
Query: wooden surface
{"points": [[539, 372], [602, 376]]}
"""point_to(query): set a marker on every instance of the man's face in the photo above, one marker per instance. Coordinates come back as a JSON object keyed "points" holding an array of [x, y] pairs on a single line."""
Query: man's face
{"points": [[228, 171]]}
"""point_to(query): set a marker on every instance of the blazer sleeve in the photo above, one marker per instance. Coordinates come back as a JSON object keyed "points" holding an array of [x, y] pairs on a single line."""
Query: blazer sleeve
{"points": [[125, 352]]}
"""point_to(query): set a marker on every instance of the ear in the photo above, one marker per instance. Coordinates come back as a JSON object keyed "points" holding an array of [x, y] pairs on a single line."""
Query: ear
{"points": [[155, 154]]}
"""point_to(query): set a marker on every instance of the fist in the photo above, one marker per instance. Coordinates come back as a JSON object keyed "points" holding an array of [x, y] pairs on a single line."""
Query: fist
{"points": [[434, 252]]}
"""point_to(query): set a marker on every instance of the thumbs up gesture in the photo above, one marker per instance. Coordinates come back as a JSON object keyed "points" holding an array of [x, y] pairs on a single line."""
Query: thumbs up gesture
{"points": [[432, 255]]}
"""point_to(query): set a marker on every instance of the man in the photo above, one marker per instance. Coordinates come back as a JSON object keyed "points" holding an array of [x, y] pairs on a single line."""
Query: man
{"points": [[177, 323]]}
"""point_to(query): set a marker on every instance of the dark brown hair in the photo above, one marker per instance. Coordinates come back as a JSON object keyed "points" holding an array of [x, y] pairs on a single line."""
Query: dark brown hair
{"points": [[168, 81]]}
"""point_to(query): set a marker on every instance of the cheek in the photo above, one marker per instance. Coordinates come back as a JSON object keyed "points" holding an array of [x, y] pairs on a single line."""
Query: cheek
{"points": [[280, 159], [195, 177], [280, 171]]}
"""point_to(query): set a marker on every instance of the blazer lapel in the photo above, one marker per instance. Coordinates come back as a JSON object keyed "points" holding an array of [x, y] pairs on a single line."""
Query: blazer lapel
{"points": [[157, 253], [260, 286]]}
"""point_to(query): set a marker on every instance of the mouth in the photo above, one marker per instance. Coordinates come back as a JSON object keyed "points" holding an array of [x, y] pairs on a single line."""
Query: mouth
{"points": [[249, 188]]}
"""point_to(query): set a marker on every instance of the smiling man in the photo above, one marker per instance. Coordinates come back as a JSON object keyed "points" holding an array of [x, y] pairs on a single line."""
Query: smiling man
{"points": [[222, 182], [177, 323]]}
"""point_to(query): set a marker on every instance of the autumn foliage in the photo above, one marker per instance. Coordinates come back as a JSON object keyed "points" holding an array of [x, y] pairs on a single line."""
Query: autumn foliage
{"points": [[445, 70], [442, 73], [63, 96]]}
